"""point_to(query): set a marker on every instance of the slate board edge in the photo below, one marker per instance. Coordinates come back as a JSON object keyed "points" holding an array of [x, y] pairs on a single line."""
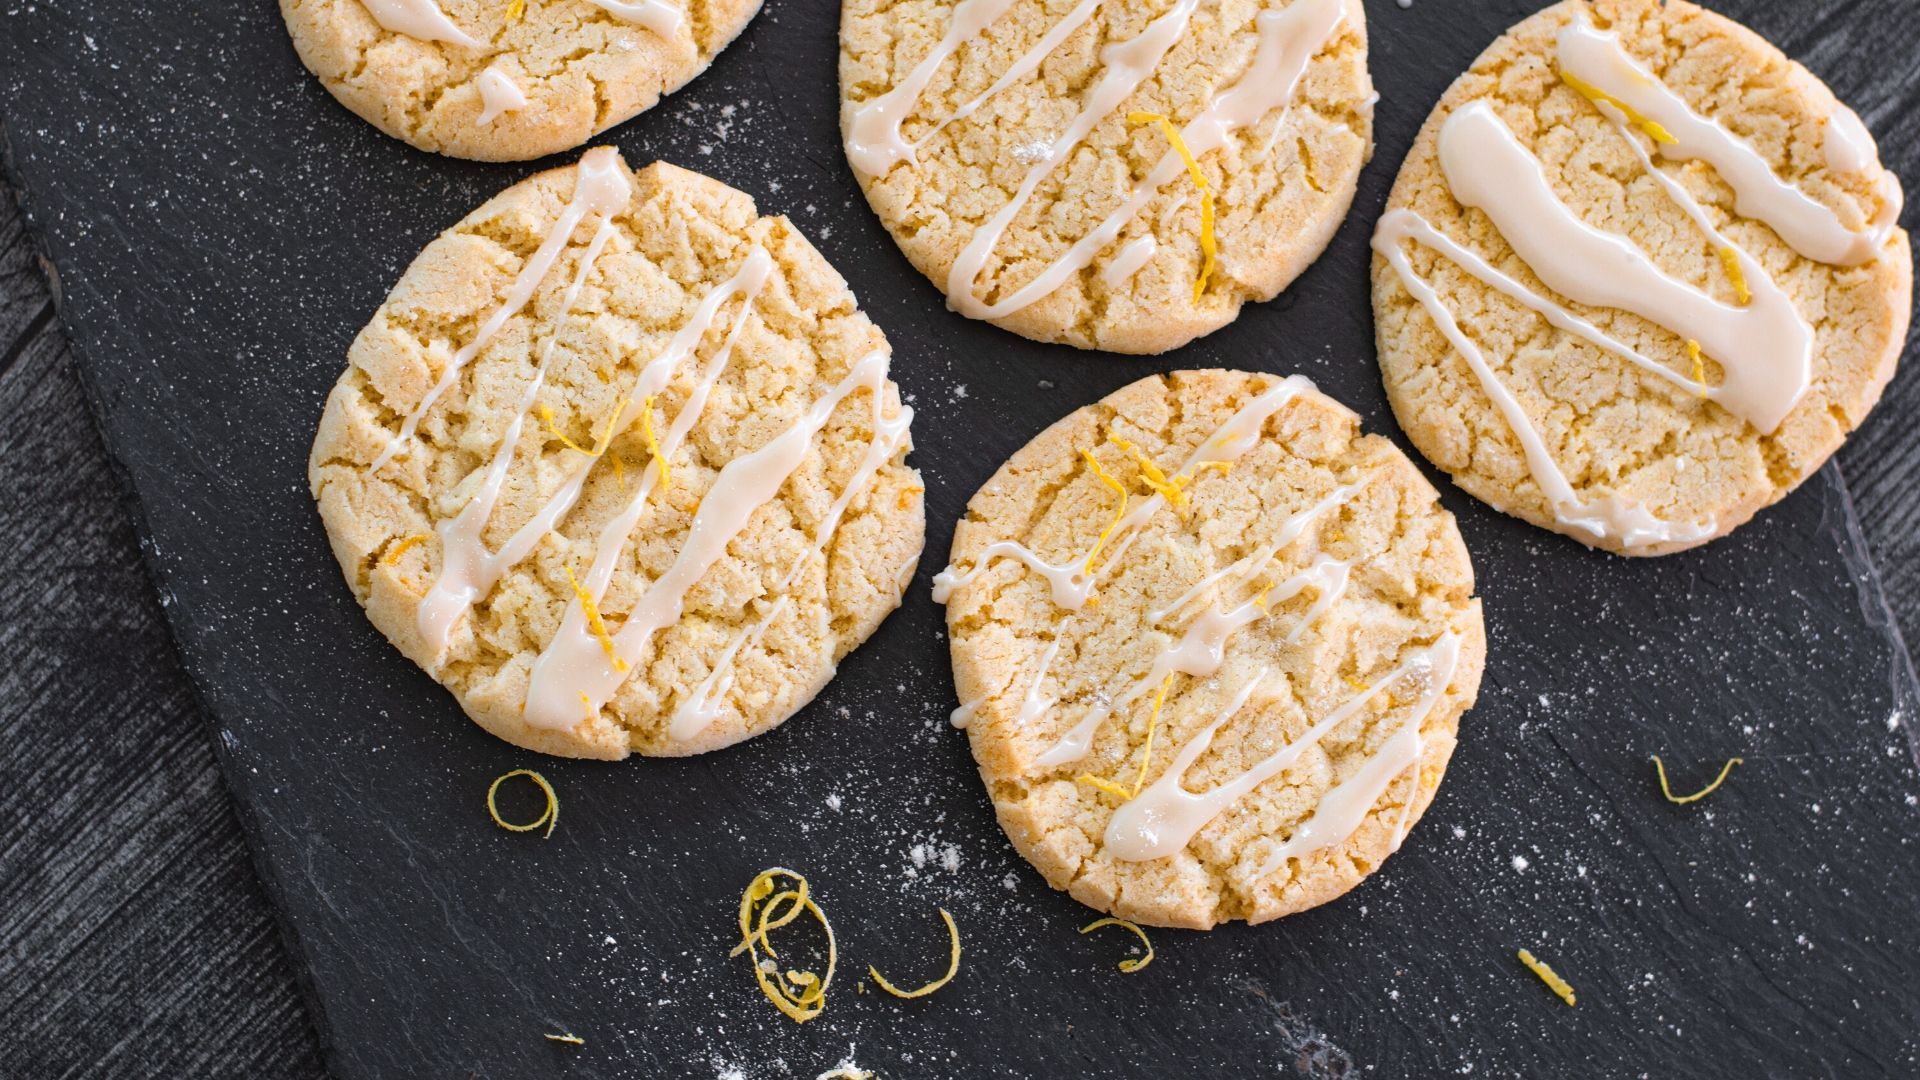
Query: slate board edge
{"points": [[203, 698]]}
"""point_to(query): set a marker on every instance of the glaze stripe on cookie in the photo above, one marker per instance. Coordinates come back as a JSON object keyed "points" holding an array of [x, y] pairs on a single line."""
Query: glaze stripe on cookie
{"points": [[421, 19], [656, 15], [1288, 40], [572, 672], [499, 94]]}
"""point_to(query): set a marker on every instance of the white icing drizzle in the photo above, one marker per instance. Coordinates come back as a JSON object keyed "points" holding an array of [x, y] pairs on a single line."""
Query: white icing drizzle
{"points": [[1035, 704], [1342, 810], [1288, 40], [1808, 227], [963, 716], [1127, 262], [498, 94], [1848, 145], [707, 703], [573, 672], [1765, 347], [1071, 584], [873, 132], [601, 186], [421, 19], [656, 15]]}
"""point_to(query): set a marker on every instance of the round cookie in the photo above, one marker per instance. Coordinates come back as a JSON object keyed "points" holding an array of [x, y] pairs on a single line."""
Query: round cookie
{"points": [[507, 80], [1231, 692], [1639, 277], [618, 462], [1020, 153]]}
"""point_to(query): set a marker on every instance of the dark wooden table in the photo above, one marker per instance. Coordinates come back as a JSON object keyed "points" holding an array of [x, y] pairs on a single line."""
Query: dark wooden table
{"points": [[137, 941]]}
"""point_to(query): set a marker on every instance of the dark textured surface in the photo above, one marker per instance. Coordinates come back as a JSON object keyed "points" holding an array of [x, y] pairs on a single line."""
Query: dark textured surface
{"points": [[1768, 931]]}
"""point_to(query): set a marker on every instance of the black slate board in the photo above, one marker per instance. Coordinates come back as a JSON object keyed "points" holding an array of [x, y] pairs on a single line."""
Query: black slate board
{"points": [[222, 229]]}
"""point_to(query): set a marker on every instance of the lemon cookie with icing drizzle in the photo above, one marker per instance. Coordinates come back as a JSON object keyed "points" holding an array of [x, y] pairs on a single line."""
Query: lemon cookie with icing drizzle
{"points": [[1212, 644], [507, 80], [1640, 276], [619, 463], [1112, 174]]}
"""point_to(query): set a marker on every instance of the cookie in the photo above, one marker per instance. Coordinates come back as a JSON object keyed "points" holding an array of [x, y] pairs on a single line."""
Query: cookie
{"points": [[618, 463], [1212, 645], [1639, 277], [1114, 175], [507, 80]]}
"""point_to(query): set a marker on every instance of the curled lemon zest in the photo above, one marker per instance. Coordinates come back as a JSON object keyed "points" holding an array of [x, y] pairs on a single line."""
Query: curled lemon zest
{"points": [[1118, 513], [1681, 800], [604, 440], [653, 443], [1260, 598], [569, 1038], [1153, 725], [1172, 489], [405, 545], [953, 967], [1730, 261], [1135, 963], [594, 622], [1209, 247], [1594, 94], [548, 817], [1547, 975], [1699, 365], [800, 995]]}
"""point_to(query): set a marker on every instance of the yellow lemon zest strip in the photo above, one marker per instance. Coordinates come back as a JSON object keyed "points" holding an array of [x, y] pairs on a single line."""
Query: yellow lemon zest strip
{"points": [[1547, 975], [569, 1038], [1209, 248], [548, 817], [953, 967], [1681, 800], [1730, 261], [810, 999], [1699, 365], [405, 545], [1595, 94], [1102, 784], [1171, 489], [1153, 726], [1118, 513], [1136, 963], [594, 622], [601, 443], [620, 473], [653, 444], [515, 10]]}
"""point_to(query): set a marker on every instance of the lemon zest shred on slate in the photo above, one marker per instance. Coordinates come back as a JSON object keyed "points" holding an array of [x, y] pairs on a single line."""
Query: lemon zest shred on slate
{"points": [[548, 817], [1681, 800], [1594, 94], [653, 443], [569, 1038], [405, 545], [1730, 261], [1118, 513], [594, 622], [1209, 246], [1699, 365], [953, 967], [1132, 964], [807, 1002], [1547, 975]]}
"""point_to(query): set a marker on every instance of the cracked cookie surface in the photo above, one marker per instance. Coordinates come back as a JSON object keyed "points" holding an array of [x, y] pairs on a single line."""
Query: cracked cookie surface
{"points": [[581, 66], [1302, 611], [1646, 443], [944, 127], [812, 569]]}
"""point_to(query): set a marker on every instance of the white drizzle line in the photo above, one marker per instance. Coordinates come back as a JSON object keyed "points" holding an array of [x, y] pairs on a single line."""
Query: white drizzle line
{"points": [[1765, 347], [600, 186], [1288, 40], [470, 571], [963, 716], [1127, 262], [706, 704], [1071, 584], [656, 15], [1807, 226], [420, 19], [498, 94], [1032, 707], [1342, 809], [1244, 569], [573, 666], [873, 139]]}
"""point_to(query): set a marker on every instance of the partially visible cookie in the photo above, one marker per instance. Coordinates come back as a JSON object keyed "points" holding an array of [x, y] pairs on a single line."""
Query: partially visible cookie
{"points": [[1032, 159], [618, 463], [1213, 645], [1639, 277], [507, 80]]}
